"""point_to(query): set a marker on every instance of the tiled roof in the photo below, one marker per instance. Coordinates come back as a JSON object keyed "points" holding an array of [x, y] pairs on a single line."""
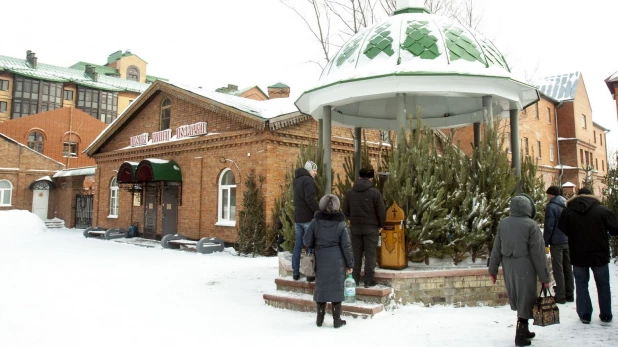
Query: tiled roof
{"points": [[560, 87], [64, 74], [103, 70]]}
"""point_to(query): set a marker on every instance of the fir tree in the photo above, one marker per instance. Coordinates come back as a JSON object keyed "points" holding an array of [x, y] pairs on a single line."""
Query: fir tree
{"points": [[588, 181], [344, 184], [533, 186], [610, 199], [253, 236]]}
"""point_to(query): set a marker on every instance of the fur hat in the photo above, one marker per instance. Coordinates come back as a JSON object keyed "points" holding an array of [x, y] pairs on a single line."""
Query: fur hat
{"points": [[309, 165], [584, 191], [553, 190], [366, 173], [329, 203]]}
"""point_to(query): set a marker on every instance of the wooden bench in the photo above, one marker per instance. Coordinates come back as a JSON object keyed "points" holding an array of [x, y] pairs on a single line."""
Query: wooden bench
{"points": [[205, 245], [107, 234]]}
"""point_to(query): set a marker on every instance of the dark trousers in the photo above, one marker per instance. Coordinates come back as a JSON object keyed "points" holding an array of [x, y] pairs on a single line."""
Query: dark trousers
{"points": [[582, 299], [563, 271], [364, 242]]}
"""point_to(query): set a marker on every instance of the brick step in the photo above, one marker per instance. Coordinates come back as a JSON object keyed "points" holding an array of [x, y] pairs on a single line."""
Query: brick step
{"points": [[304, 302], [377, 294]]}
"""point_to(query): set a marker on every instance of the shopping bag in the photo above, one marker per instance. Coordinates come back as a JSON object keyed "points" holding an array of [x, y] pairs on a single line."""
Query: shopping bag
{"points": [[307, 265], [545, 311]]}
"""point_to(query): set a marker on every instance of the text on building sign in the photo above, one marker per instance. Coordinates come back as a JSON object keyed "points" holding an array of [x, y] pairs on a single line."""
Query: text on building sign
{"points": [[139, 140], [200, 128]]}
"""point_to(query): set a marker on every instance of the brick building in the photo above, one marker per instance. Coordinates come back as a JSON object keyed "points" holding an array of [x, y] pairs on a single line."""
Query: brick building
{"points": [[176, 159], [61, 134], [28, 87], [559, 133]]}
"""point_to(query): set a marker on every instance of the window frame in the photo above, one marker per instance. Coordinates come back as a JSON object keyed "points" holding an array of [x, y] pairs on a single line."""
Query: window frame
{"points": [[165, 115], [551, 152], [4, 191], [133, 75], [526, 147], [64, 94], [6, 106], [548, 115], [228, 187], [538, 147], [4, 82], [114, 200], [40, 142], [68, 153], [584, 122]]}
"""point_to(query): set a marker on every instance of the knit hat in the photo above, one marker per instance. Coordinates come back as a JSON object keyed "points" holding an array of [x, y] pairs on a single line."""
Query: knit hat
{"points": [[366, 173], [584, 191], [531, 203], [553, 190], [309, 165], [329, 203]]}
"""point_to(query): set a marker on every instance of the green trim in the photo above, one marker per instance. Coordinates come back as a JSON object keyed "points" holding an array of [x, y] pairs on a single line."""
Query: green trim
{"points": [[394, 74], [411, 10], [279, 85], [156, 171]]}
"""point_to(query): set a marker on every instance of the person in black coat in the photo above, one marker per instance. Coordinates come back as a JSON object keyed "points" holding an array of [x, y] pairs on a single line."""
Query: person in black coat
{"points": [[305, 205], [364, 206], [586, 222], [333, 257], [559, 246]]}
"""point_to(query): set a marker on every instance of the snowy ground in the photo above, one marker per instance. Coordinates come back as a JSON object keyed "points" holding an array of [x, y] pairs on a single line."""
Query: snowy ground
{"points": [[58, 288]]}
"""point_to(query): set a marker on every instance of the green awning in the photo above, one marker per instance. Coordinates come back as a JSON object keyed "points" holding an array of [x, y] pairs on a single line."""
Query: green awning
{"points": [[149, 170], [126, 173]]}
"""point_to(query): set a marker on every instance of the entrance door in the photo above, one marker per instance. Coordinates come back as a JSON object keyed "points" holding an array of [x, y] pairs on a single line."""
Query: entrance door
{"points": [[150, 213], [83, 211], [40, 201], [170, 210]]}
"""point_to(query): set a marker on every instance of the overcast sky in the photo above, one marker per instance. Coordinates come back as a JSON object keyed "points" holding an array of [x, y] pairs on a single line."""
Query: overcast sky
{"points": [[249, 42]]}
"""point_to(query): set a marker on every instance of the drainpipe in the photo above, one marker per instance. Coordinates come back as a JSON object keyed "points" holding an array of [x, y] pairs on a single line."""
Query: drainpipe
{"points": [[199, 216], [558, 143], [70, 138]]}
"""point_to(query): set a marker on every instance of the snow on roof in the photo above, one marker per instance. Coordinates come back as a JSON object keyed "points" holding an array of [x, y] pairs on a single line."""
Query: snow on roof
{"points": [[559, 87], [568, 184], [157, 161], [82, 171], [565, 167], [44, 178]]}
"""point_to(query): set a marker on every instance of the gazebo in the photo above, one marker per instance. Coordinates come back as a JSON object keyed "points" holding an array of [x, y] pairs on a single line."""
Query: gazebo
{"points": [[415, 60]]}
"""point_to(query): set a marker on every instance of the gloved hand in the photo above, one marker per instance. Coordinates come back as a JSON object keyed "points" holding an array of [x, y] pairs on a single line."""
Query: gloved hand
{"points": [[493, 279], [546, 285], [547, 250]]}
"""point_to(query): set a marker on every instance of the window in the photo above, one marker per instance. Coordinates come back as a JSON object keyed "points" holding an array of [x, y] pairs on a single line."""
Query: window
{"points": [[596, 164], [581, 155], [3, 106], [601, 139], [35, 141], [4, 85], [586, 154], [538, 147], [69, 150], [166, 112], [227, 199], [594, 136], [548, 115], [113, 198], [99, 104], [6, 190], [602, 165], [33, 96], [584, 121], [551, 152], [536, 111], [385, 137], [68, 95], [526, 150], [133, 73]]}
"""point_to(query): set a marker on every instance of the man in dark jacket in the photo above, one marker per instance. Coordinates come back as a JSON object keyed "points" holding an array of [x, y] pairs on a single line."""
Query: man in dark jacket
{"points": [[586, 222], [305, 205], [559, 246], [364, 206]]}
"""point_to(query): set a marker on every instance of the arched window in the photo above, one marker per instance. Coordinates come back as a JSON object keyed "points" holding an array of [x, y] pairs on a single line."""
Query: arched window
{"points": [[133, 73], [227, 199], [6, 190], [113, 198], [166, 113], [35, 141], [70, 145]]}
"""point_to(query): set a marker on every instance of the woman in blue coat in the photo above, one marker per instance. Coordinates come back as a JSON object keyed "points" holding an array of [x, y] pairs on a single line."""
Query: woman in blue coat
{"points": [[333, 257]]}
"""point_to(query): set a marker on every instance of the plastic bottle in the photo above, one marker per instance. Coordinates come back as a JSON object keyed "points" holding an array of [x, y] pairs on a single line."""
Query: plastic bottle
{"points": [[349, 287]]}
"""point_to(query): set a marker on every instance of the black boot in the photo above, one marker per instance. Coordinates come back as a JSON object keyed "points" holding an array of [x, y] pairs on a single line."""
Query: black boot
{"points": [[321, 312], [337, 321], [521, 335], [529, 334]]}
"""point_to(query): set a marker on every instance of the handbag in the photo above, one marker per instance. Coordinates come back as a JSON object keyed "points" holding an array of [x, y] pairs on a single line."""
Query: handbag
{"points": [[307, 265], [545, 311]]}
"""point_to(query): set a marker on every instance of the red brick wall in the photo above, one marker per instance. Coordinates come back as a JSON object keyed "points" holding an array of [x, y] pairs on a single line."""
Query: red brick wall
{"points": [[53, 125]]}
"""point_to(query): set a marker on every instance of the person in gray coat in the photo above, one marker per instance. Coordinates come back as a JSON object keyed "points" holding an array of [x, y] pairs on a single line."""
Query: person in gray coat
{"points": [[519, 246], [333, 257]]}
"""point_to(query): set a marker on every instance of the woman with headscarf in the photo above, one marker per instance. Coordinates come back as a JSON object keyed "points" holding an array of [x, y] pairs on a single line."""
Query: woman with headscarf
{"points": [[333, 257], [519, 246]]}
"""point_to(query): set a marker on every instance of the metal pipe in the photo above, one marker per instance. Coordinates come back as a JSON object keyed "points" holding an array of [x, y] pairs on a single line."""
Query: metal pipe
{"points": [[477, 134], [327, 149], [515, 156], [357, 152], [558, 144]]}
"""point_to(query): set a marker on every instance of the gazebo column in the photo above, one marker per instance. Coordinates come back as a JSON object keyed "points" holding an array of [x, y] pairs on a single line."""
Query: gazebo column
{"points": [[515, 157], [477, 134], [326, 144], [320, 133], [357, 152], [487, 105], [400, 99]]}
